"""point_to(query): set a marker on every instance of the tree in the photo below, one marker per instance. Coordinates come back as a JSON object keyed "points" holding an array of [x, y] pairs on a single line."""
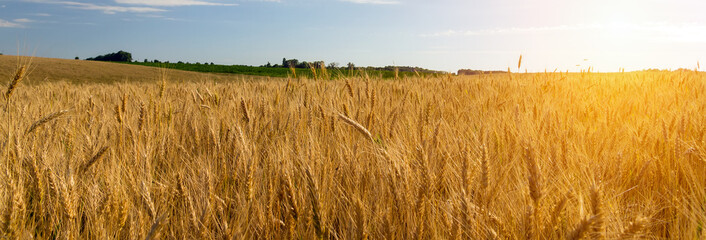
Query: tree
{"points": [[333, 65], [302, 64], [146, 61], [351, 66], [317, 64], [293, 63], [76, 58], [120, 56]]}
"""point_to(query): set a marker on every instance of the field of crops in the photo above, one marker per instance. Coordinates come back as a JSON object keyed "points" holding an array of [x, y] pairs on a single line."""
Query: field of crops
{"points": [[509, 156]]}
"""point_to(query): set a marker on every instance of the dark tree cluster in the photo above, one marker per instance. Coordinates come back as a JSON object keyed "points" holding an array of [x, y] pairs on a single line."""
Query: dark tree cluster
{"points": [[476, 72], [120, 56], [295, 63]]}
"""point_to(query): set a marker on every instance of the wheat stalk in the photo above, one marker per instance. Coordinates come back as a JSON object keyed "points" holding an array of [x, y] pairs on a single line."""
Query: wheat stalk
{"points": [[123, 102], [118, 115], [484, 168], [45, 120], [315, 206], [556, 213], [294, 71], [141, 119], [349, 88], [534, 175], [244, 109]]}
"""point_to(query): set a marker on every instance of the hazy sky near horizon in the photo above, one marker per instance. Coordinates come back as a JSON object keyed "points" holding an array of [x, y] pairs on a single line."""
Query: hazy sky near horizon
{"points": [[442, 35]]}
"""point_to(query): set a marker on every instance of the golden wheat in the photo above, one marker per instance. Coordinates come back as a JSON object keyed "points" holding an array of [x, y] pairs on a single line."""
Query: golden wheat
{"points": [[540, 155]]}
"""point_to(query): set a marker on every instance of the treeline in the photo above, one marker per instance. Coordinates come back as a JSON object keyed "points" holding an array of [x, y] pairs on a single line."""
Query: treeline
{"points": [[476, 72], [282, 71], [289, 67], [295, 63]]}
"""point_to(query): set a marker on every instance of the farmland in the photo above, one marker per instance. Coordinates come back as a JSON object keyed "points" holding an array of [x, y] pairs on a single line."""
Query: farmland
{"points": [[145, 153]]}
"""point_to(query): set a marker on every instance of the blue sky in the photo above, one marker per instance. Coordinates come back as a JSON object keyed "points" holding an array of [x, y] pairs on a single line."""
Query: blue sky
{"points": [[442, 35]]}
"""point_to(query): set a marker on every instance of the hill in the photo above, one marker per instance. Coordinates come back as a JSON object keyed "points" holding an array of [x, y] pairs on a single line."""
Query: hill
{"points": [[80, 71]]}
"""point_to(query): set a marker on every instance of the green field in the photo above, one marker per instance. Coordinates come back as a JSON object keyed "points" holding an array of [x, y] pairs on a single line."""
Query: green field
{"points": [[337, 73]]}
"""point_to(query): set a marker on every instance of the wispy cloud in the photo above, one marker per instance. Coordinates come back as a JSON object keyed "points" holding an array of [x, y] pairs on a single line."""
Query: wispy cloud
{"points": [[499, 31], [665, 32], [376, 2], [42, 14], [8, 24], [173, 3], [23, 20], [108, 9], [157, 16]]}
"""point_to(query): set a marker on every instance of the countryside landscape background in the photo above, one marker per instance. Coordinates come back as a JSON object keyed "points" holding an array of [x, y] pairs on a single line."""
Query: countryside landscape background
{"points": [[196, 155], [568, 120]]}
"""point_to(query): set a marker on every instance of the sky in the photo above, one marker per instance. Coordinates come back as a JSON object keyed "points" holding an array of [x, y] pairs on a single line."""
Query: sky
{"points": [[442, 35]]}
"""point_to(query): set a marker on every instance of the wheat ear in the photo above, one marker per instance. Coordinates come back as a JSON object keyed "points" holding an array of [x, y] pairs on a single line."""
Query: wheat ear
{"points": [[93, 160], [597, 228], [581, 229], [45, 120], [357, 126], [155, 226], [634, 228], [13, 84], [244, 108]]}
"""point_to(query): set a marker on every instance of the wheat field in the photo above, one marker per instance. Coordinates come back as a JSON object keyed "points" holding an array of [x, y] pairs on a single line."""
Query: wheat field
{"points": [[504, 156]]}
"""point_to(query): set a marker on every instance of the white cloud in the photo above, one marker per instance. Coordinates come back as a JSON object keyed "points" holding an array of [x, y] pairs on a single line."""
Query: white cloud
{"points": [[173, 3], [665, 32], [23, 20], [111, 9], [376, 2], [498, 31], [158, 16], [42, 14], [8, 24], [108, 9], [682, 33]]}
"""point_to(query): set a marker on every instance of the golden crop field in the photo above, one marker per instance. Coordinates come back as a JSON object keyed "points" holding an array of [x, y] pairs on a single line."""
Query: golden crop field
{"points": [[506, 156]]}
